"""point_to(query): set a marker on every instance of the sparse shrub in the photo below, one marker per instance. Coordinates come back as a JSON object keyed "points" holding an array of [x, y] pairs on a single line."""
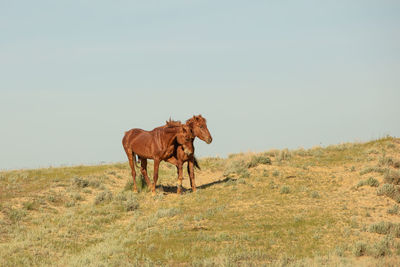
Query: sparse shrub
{"points": [[257, 160], [392, 177], [102, 197], [131, 204], [276, 173], [16, 215], [381, 248], [237, 167], [77, 196], [385, 228], [284, 155], [393, 210], [30, 205], [168, 212], [389, 190], [371, 181], [70, 204], [315, 194], [285, 189], [372, 169], [360, 248], [265, 173], [80, 182]]}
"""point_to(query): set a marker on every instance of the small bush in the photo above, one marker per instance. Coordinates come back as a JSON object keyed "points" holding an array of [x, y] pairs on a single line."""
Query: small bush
{"points": [[285, 189], [385, 228], [284, 155], [257, 160], [392, 177], [102, 197], [168, 212], [276, 173], [315, 194], [16, 215], [381, 249], [79, 182], [30, 205], [372, 169], [371, 181], [131, 204], [237, 168], [360, 248], [389, 190], [393, 210]]}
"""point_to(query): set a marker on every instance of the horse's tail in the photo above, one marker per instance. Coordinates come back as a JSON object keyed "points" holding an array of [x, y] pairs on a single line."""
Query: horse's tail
{"points": [[196, 163]]}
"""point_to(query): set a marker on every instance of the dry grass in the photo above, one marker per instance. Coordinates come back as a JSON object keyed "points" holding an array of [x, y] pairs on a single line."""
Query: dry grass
{"points": [[294, 208]]}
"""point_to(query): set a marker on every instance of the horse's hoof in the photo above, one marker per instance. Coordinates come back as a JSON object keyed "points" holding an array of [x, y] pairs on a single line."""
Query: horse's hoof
{"points": [[153, 193]]}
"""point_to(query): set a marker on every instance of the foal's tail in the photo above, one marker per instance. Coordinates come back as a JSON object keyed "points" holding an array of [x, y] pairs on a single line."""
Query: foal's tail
{"points": [[134, 159], [196, 163]]}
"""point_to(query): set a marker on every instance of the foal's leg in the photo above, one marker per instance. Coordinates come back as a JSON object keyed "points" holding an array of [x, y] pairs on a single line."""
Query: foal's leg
{"points": [[130, 158], [191, 174], [143, 170], [179, 167], [155, 175]]}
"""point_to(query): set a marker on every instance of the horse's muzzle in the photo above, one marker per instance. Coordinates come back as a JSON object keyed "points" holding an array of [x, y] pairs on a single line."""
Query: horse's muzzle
{"points": [[209, 140]]}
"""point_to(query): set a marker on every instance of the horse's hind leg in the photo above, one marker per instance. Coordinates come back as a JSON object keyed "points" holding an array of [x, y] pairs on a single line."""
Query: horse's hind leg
{"points": [[131, 163], [143, 170]]}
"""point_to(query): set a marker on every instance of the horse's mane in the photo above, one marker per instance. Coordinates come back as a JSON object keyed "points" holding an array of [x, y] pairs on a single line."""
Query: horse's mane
{"points": [[171, 124]]}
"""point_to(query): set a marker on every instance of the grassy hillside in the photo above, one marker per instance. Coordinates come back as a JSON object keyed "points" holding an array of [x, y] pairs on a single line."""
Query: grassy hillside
{"points": [[324, 206]]}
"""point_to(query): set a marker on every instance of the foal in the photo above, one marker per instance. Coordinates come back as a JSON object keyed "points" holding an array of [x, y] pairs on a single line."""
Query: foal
{"points": [[198, 128], [158, 144]]}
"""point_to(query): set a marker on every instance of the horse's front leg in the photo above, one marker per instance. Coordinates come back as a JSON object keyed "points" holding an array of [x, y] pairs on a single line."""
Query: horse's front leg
{"points": [[155, 175], [191, 173], [179, 167]]}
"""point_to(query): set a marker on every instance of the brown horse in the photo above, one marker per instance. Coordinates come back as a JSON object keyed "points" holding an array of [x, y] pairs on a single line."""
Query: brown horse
{"points": [[158, 144], [198, 127]]}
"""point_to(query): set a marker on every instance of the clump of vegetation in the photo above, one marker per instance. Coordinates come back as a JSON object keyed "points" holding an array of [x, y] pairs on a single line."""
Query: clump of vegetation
{"points": [[131, 204], [168, 212], [372, 169], [392, 177], [285, 189], [30, 205], [80, 182], [257, 160], [283, 155], [103, 197], [360, 249], [371, 181], [389, 190], [381, 248], [276, 173], [393, 210], [385, 228], [315, 194], [237, 168], [16, 215]]}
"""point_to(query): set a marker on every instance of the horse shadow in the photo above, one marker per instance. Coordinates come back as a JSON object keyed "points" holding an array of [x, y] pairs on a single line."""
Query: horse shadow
{"points": [[168, 189]]}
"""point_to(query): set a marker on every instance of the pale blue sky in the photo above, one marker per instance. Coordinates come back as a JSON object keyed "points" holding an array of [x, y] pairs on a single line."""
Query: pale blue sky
{"points": [[266, 74]]}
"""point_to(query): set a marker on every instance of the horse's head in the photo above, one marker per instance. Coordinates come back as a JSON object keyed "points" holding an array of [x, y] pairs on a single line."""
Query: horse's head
{"points": [[185, 138], [198, 125]]}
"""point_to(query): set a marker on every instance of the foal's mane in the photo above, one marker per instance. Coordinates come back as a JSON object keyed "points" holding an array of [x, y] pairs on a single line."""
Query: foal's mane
{"points": [[172, 124]]}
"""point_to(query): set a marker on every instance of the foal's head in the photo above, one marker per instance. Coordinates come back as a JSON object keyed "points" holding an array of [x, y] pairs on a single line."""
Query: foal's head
{"points": [[184, 136], [198, 125]]}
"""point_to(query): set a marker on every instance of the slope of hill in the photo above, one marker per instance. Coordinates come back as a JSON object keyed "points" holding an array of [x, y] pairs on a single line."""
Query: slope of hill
{"points": [[323, 206]]}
